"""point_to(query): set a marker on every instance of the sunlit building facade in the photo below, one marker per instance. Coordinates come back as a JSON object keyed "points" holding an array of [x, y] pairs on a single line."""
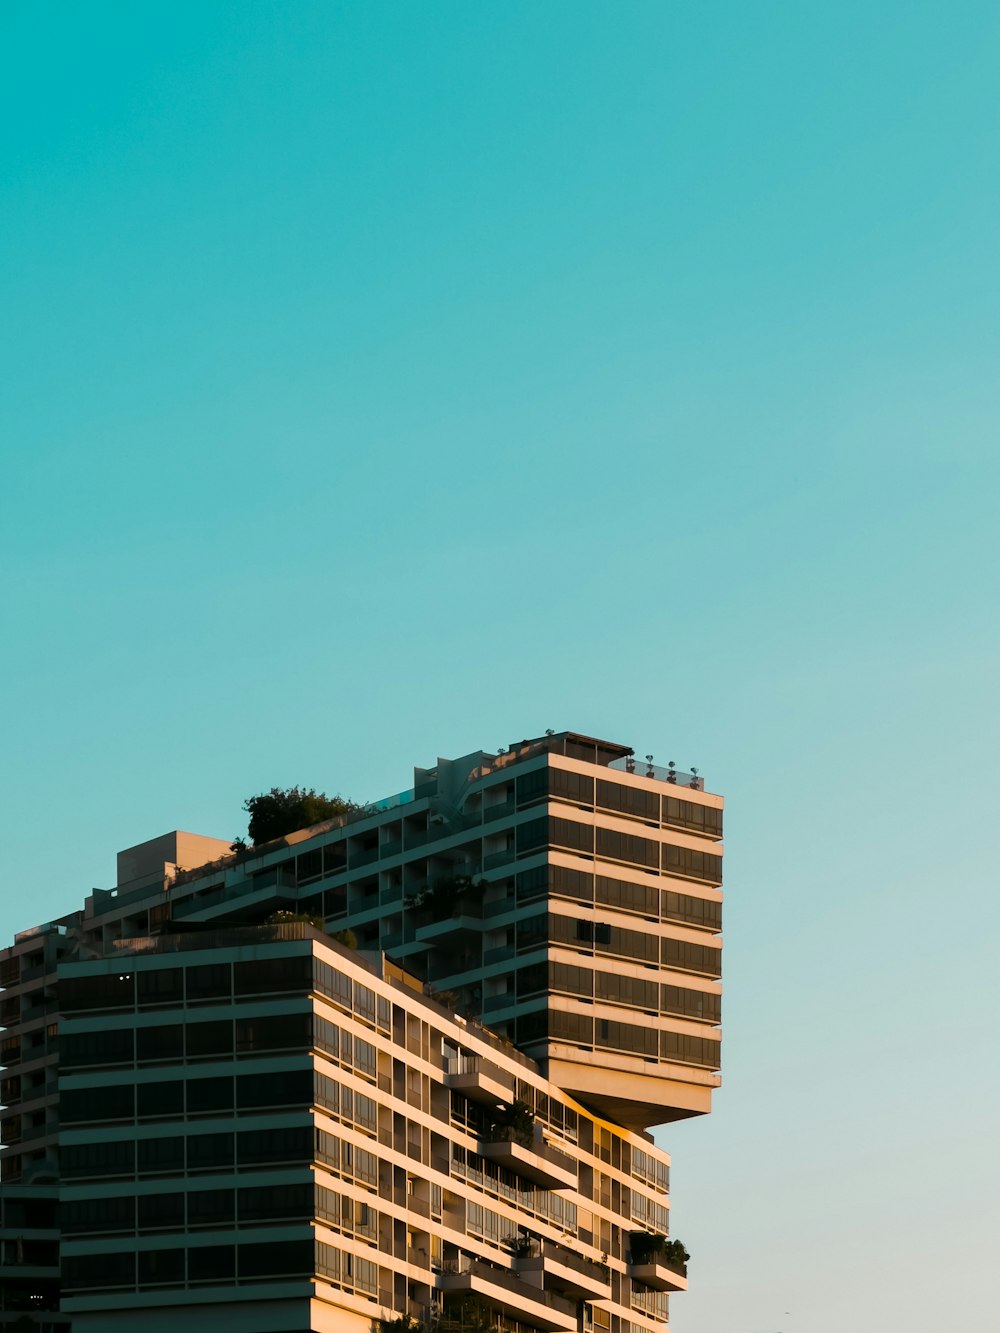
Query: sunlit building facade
{"points": [[436, 1106]]}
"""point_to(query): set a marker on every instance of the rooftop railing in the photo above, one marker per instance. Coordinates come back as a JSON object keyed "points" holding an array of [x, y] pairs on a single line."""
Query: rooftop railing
{"points": [[645, 768]]}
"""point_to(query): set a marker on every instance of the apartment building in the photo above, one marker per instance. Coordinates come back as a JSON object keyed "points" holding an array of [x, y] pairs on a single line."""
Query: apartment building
{"points": [[255, 1123]]}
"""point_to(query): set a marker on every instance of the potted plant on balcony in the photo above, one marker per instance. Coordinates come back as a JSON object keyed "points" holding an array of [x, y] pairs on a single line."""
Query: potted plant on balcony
{"points": [[515, 1124], [521, 1247], [650, 1248]]}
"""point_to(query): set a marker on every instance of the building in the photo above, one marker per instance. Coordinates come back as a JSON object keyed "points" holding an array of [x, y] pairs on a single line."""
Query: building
{"points": [[254, 1122]]}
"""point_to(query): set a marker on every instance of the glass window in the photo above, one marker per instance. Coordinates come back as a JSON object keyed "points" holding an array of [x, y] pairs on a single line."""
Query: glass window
{"points": [[160, 1212], [160, 1043], [273, 1032], [105, 992], [160, 1156], [210, 981], [163, 985], [209, 1151], [212, 1263], [96, 1048], [161, 1268], [274, 974], [205, 1095], [211, 1208], [112, 1102], [632, 802], [292, 1087], [160, 1099]]}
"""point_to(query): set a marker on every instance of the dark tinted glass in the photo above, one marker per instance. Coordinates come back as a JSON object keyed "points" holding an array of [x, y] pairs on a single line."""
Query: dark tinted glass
{"points": [[160, 1043], [160, 1211], [210, 981], [163, 985], [209, 1094], [160, 1099]]}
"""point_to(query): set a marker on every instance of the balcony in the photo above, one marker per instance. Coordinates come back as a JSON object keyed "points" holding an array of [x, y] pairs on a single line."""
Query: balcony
{"points": [[534, 1160], [501, 811], [659, 1275], [657, 1262], [363, 856], [504, 1291], [496, 859], [479, 1079], [565, 1270], [465, 922]]}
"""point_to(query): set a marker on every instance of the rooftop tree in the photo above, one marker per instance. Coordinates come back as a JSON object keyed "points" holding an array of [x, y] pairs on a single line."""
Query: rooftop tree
{"points": [[281, 811]]}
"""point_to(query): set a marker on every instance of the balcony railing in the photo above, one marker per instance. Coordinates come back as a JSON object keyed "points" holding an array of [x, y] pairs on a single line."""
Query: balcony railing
{"points": [[563, 1268], [479, 1079], [498, 858], [645, 768], [504, 1290], [491, 812], [533, 1159]]}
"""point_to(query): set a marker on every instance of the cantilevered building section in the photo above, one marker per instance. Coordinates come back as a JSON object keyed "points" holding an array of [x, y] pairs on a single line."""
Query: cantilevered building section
{"points": [[253, 1123]]}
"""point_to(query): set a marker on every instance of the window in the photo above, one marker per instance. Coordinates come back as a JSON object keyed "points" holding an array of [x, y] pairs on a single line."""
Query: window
{"points": [[212, 1263], [690, 1050], [292, 1087], [274, 974], [97, 1159], [107, 992], [692, 957], [211, 981], [206, 1095], [575, 787], [110, 1047], [533, 787], [112, 1102], [693, 911], [160, 1099], [160, 1212], [210, 1152], [568, 833], [211, 1208], [691, 864], [160, 1156], [163, 985], [627, 847], [633, 802], [284, 1258], [160, 1043], [78, 1216], [626, 897], [264, 1203], [207, 1039], [532, 834], [161, 1268], [273, 1033], [697, 1004], [98, 1272], [691, 815], [260, 1146]]}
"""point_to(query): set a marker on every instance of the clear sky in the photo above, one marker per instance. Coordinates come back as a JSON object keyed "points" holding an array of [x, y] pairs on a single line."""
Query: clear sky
{"points": [[382, 381]]}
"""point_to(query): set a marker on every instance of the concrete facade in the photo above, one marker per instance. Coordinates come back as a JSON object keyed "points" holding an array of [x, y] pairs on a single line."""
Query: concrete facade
{"points": [[537, 963]]}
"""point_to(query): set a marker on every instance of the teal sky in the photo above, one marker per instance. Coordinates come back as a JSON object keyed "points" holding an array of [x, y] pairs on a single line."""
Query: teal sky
{"points": [[382, 381]]}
